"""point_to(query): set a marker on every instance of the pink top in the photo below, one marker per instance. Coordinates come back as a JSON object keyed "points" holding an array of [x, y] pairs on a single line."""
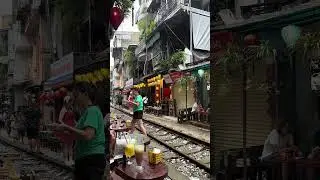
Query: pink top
{"points": [[130, 99]]}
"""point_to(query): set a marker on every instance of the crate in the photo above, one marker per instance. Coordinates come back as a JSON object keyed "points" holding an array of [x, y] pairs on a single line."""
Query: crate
{"points": [[154, 158]]}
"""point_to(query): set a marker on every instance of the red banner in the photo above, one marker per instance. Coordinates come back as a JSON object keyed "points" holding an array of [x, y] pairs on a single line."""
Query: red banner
{"points": [[175, 76]]}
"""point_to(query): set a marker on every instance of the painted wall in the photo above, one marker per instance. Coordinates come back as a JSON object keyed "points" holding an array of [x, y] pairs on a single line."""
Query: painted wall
{"points": [[179, 94]]}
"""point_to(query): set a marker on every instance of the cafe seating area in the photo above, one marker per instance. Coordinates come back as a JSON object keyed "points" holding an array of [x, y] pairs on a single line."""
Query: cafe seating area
{"points": [[133, 157], [277, 168]]}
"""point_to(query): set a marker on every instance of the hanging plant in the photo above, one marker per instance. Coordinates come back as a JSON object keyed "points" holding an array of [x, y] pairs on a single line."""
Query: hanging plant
{"points": [[308, 42], [231, 59], [264, 50], [185, 80]]}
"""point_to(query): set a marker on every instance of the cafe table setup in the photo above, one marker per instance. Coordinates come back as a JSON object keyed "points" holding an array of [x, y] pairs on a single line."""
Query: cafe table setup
{"points": [[140, 163], [289, 166]]}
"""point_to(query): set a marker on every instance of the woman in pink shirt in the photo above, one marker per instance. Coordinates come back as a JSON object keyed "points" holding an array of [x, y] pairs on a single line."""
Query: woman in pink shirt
{"points": [[67, 116], [130, 99]]}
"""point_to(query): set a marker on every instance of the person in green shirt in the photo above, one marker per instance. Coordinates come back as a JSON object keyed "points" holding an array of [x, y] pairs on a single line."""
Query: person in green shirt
{"points": [[90, 158], [137, 112]]}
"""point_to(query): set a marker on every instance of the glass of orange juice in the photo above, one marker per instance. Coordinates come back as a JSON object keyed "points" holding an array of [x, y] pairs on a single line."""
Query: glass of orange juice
{"points": [[129, 151]]}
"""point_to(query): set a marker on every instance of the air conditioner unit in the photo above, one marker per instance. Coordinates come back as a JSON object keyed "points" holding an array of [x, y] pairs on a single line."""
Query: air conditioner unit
{"points": [[240, 3]]}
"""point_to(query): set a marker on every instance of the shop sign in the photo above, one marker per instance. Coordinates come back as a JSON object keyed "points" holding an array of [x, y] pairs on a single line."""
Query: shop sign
{"points": [[175, 76], [62, 67], [154, 81], [167, 79]]}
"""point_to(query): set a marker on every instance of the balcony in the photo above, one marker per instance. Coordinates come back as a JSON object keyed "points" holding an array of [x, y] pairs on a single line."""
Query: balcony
{"points": [[169, 9]]}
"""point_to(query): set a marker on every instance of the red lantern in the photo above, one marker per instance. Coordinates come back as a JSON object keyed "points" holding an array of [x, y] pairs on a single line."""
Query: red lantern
{"points": [[250, 39], [116, 17]]}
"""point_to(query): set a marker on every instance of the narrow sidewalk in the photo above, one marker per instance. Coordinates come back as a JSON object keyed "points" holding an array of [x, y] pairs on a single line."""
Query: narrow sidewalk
{"points": [[171, 123]]}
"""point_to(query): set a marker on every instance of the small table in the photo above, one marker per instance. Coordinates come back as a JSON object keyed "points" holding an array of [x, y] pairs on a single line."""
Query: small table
{"points": [[119, 128], [150, 172]]}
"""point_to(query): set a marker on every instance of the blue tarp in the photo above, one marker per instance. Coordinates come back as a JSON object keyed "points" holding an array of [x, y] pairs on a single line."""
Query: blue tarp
{"points": [[54, 81]]}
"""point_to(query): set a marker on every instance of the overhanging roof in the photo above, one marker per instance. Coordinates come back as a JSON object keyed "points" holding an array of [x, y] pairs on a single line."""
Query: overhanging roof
{"points": [[299, 15]]}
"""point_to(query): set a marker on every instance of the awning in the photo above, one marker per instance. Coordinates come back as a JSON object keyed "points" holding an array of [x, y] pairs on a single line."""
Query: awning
{"points": [[197, 66], [60, 81], [305, 13]]}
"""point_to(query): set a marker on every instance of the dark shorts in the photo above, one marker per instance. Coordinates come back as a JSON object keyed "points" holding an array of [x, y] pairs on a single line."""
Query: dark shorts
{"points": [[90, 167], [32, 133], [137, 114]]}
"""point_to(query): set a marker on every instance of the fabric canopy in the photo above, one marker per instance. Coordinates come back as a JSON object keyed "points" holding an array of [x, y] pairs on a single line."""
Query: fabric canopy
{"points": [[201, 31]]}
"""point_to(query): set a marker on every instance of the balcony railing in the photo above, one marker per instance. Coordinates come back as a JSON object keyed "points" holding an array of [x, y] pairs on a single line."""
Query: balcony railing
{"points": [[166, 9]]}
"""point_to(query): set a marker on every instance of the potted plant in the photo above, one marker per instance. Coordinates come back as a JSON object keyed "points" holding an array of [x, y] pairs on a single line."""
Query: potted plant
{"points": [[265, 51]]}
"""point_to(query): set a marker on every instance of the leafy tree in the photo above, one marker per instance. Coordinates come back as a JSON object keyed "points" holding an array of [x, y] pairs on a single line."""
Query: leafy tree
{"points": [[175, 59], [146, 27]]}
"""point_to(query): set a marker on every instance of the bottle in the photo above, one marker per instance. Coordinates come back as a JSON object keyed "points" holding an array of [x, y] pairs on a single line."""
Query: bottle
{"points": [[124, 160]]}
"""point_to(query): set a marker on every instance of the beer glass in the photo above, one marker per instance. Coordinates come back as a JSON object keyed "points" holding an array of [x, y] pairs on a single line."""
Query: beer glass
{"points": [[139, 151]]}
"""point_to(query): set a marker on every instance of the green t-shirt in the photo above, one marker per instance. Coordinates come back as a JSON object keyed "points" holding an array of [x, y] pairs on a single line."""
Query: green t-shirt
{"points": [[91, 118], [138, 99]]}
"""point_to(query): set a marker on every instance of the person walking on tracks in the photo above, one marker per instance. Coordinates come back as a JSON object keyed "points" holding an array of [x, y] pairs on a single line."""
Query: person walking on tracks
{"points": [[33, 116], [137, 112]]}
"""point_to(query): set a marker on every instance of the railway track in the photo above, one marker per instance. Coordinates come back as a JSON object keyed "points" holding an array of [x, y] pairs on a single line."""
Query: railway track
{"points": [[29, 166], [184, 152]]}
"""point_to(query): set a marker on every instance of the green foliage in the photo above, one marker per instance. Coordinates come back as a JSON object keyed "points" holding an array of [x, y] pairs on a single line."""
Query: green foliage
{"points": [[175, 59], [185, 80], [308, 41], [129, 60], [146, 27], [264, 50]]}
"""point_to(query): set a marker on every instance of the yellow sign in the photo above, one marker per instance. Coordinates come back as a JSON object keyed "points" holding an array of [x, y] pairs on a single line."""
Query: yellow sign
{"points": [[141, 85], [156, 78], [93, 77]]}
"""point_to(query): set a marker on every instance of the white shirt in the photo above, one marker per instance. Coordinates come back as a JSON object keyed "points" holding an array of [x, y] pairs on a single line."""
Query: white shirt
{"points": [[275, 141], [194, 107], [145, 100]]}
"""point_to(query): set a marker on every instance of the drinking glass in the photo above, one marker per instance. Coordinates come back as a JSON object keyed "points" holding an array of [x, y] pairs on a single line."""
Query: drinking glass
{"points": [[129, 151], [139, 151]]}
